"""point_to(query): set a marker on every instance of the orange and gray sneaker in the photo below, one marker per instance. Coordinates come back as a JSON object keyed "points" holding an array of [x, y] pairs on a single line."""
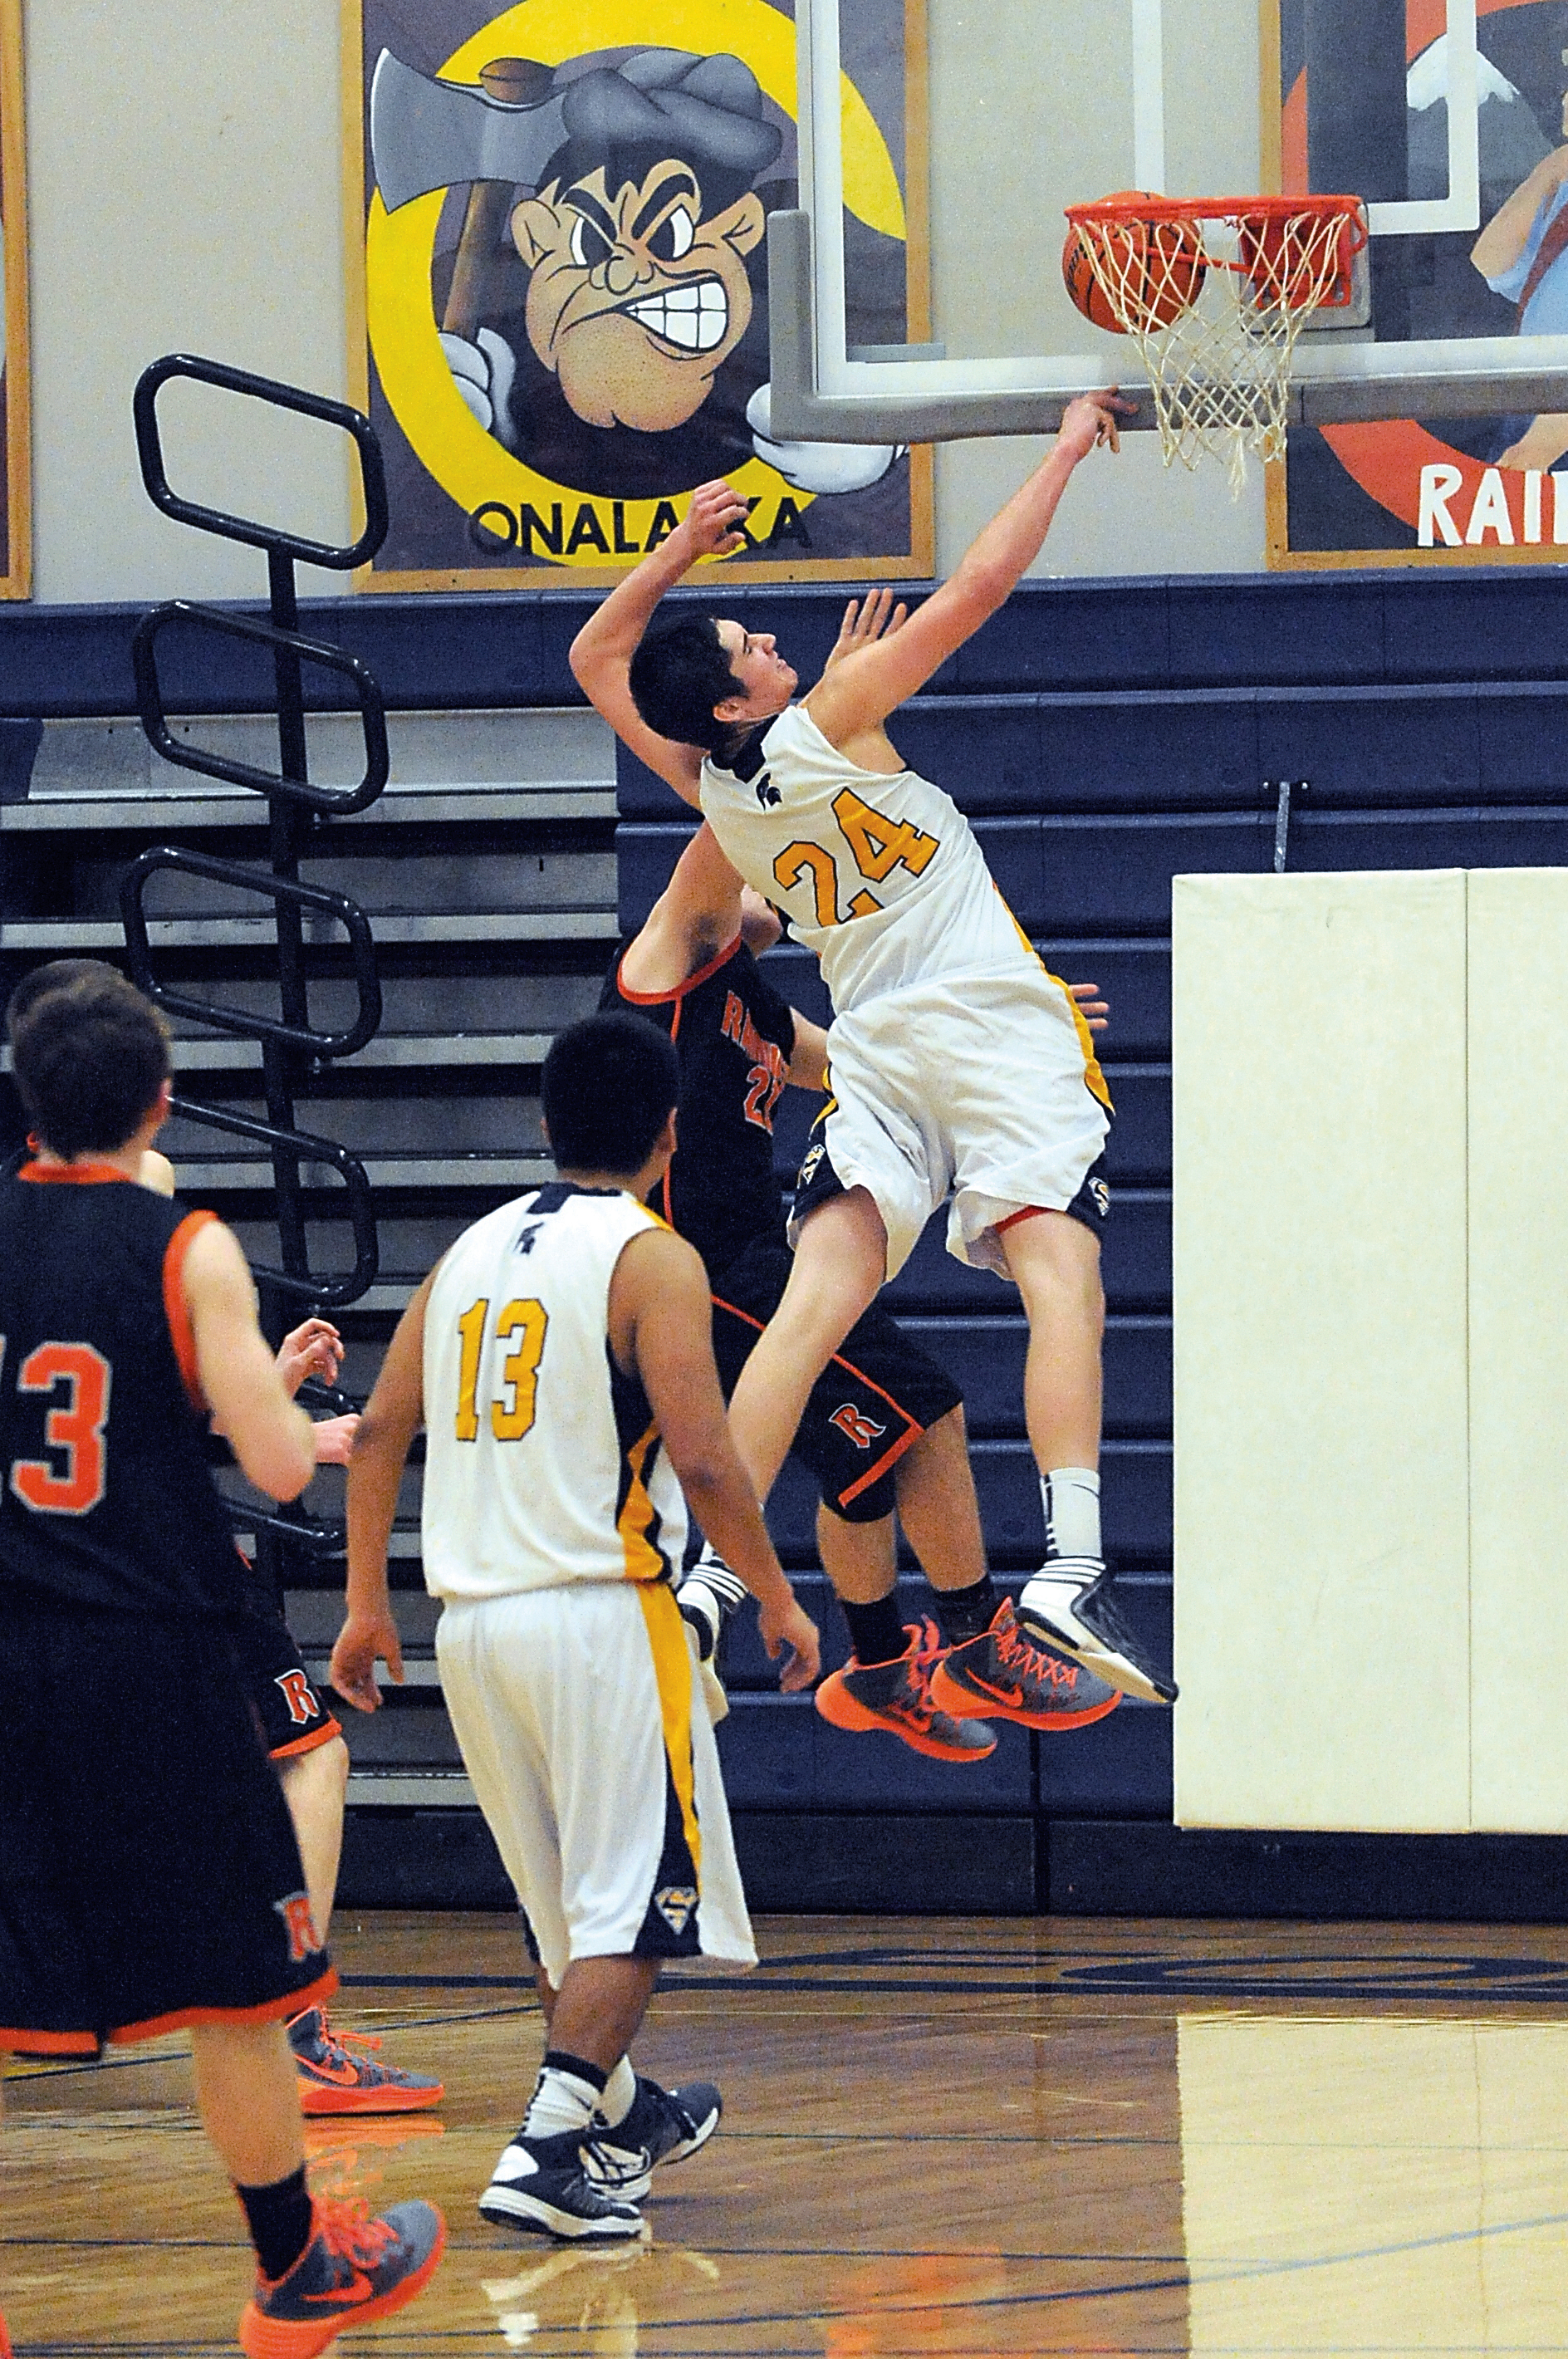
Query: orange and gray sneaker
{"points": [[1005, 1674], [897, 1697], [335, 2080], [355, 2268]]}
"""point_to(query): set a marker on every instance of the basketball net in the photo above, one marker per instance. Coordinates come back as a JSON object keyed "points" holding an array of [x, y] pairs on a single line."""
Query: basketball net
{"points": [[1215, 291]]}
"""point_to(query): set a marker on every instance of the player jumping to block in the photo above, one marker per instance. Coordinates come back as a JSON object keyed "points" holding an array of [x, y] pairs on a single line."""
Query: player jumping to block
{"points": [[561, 1360], [884, 1425], [150, 1878], [960, 1070]]}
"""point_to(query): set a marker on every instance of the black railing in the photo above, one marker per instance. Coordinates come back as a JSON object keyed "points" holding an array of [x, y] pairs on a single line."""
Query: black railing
{"points": [[292, 1049]]}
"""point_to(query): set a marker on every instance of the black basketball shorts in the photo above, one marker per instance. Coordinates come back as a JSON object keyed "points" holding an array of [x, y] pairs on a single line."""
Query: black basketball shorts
{"points": [[293, 1718], [877, 1394], [150, 1878]]}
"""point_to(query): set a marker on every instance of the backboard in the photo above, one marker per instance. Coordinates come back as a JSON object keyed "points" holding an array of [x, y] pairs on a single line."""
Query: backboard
{"points": [[1435, 112]]}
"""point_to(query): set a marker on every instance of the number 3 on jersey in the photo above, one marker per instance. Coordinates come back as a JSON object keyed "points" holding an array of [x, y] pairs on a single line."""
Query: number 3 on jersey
{"points": [[73, 1432], [879, 845], [512, 1411]]}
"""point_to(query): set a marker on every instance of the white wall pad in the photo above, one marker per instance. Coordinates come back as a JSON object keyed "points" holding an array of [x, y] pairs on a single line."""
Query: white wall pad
{"points": [[1371, 2185], [1519, 1346], [1321, 1537]]}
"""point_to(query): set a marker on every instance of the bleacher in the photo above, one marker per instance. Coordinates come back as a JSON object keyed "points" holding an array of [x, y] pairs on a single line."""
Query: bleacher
{"points": [[1104, 736]]}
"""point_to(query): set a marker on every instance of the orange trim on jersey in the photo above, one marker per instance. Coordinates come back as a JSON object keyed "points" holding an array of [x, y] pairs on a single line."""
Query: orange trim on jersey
{"points": [[308, 1742], [46, 2043], [77, 1175], [276, 2010], [657, 998], [177, 1311]]}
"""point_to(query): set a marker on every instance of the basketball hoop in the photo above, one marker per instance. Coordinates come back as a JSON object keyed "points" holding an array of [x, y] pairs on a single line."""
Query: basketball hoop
{"points": [[1213, 292]]}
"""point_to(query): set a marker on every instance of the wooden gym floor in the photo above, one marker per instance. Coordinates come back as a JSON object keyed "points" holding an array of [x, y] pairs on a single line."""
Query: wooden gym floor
{"points": [[986, 2138]]}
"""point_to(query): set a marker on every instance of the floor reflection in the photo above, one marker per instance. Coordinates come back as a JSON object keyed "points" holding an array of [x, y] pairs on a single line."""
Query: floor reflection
{"points": [[1393, 2185]]}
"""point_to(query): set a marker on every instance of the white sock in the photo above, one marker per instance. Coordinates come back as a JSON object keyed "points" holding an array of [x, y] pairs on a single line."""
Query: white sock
{"points": [[1071, 1495], [561, 2102], [619, 2091]]}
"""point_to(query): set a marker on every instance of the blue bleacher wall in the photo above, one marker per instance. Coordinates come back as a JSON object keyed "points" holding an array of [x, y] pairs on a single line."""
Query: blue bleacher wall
{"points": [[1104, 736]]}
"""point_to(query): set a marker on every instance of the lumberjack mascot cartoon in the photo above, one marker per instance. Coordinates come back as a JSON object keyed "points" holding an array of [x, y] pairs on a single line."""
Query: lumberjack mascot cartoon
{"points": [[633, 362]]}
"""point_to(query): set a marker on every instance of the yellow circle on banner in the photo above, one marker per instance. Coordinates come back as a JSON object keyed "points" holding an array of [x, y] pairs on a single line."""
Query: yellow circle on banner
{"points": [[547, 521]]}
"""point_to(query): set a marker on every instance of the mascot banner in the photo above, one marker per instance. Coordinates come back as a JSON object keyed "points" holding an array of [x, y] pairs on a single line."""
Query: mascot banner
{"points": [[16, 541], [1478, 491], [559, 288]]}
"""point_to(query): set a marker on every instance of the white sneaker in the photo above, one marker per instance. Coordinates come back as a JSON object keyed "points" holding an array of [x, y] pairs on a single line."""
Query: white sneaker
{"points": [[1068, 1604]]}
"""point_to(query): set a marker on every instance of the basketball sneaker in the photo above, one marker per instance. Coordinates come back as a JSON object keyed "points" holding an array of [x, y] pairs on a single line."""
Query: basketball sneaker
{"points": [[543, 2182], [707, 1597], [354, 2269], [897, 1696], [1068, 1606], [331, 2081], [659, 2125], [1003, 1675]]}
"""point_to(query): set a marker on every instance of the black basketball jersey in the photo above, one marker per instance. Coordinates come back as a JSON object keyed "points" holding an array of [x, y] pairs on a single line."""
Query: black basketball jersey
{"points": [[107, 1500], [735, 1036]]}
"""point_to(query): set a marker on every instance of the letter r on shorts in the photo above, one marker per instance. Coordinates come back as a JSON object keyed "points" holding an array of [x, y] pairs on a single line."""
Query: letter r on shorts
{"points": [[304, 1942], [301, 1698]]}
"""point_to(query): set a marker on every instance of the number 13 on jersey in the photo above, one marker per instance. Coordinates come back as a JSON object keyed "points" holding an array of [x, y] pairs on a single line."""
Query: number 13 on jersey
{"points": [[512, 1411]]}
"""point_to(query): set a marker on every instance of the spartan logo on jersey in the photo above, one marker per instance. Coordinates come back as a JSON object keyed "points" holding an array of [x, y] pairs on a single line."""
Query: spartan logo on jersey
{"points": [[677, 1905], [862, 1430], [1102, 1196], [304, 1942], [813, 1157], [766, 793]]}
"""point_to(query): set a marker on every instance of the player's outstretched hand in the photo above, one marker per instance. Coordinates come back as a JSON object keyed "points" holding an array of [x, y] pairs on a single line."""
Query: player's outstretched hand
{"points": [[866, 620], [708, 528], [1090, 420], [1097, 1012], [313, 1349], [789, 1630], [361, 1641], [334, 1440]]}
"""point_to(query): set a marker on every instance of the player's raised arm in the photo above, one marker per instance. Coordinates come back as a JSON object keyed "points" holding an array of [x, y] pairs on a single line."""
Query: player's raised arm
{"points": [[865, 682], [603, 650], [699, 910], [268, 1434], [662, 1318]]}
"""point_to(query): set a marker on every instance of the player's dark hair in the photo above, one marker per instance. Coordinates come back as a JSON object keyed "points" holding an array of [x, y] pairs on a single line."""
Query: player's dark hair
{"points": [[608, 1086], [88, 1055], [677, 675]]}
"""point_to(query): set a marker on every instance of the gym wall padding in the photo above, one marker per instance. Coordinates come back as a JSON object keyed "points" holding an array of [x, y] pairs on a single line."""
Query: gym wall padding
{"points": [[1322, 1617], [1519, 1346]]}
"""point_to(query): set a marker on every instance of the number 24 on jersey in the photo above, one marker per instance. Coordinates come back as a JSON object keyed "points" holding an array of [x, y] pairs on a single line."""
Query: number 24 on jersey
{"points": [[878, 844]]}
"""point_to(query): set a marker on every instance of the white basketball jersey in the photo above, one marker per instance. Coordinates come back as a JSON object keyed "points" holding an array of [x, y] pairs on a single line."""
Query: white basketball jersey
{"points": [[881, 876], [543, 1464]]}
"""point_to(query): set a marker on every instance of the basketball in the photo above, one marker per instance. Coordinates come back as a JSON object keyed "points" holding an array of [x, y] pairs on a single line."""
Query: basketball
{"points": [[1161, 268]]}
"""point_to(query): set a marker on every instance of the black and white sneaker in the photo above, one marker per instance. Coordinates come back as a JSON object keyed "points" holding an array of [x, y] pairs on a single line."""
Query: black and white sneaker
{"points": [[1069, 1604], [543, 2182], [707, 1597], [661, 2126]]}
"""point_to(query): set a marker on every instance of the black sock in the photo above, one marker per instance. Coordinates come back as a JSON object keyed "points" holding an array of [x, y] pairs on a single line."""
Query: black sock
{"points": [[876, 1632], [965, 1612], [279, 2220], [560, 2060]]}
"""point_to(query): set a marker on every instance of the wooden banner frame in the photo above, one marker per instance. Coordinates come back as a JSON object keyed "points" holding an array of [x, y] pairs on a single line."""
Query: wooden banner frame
{"points": [[16, 406]]}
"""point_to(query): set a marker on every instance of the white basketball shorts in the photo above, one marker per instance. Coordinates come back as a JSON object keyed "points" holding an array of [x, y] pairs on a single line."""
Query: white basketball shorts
{"points": [[591, 1750], [973, 1089]]}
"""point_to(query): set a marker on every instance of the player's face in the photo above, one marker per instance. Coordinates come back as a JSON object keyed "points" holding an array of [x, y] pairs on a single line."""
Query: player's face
{"points": [[768, 682], [635, 299]]}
